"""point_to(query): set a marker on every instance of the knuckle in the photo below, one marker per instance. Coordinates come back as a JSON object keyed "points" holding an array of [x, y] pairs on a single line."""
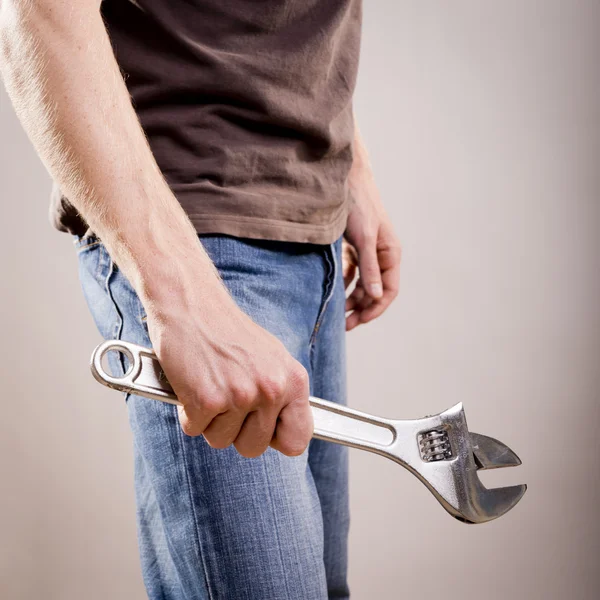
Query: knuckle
{"points": [[243, 396], [299, 377], [273, 387], [212, 404], [396, 251]]}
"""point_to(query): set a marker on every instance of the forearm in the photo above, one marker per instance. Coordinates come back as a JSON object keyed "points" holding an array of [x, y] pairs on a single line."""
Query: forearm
{"points": [[376, 247], [361, 172], [360, 157], [60, 72], [361, 181]]}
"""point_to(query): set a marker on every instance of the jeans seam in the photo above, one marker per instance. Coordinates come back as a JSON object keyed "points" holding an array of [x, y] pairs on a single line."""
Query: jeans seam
{"points": [[103, 268], [277, 536], [163, 594], [199, 553], [330, 280], [118, 328]]}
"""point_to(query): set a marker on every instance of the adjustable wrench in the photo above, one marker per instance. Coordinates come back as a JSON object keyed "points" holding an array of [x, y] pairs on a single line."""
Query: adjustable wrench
{"points": [[438, 449]]}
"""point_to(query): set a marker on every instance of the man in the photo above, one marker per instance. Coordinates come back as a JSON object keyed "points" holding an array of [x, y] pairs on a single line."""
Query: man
{"points": [[240, 136]]}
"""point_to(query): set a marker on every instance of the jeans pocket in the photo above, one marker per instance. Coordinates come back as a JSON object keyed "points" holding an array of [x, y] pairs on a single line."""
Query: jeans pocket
{"points": [[96, 270]]}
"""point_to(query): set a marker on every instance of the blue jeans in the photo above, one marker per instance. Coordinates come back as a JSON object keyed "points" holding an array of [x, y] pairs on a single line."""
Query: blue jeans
{"points": [[212, 524]]}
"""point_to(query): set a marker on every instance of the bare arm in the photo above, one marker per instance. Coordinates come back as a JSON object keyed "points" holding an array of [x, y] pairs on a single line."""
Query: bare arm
{"points": [[373, 246], [60, 72]]}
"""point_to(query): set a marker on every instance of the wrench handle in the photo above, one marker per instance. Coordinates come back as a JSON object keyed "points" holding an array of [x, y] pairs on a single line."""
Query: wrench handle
{"points": [[332, 422]]}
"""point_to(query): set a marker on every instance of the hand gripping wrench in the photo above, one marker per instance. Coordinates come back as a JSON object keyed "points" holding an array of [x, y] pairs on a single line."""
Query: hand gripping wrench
{"points": [[438, 449]]}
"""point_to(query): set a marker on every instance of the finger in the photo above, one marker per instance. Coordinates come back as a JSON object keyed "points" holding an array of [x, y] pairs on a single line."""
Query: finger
{"points": [[350, 304], [349, 275], [224, 429], [389, 251], [358, 304], [364, 301], [376, 308], [369, 269], [294, 426], [355, 319], [390, 277], [352, 320], [193, 420], [390, 256], [293, 430], [256, 433], [355, 297], [349, 262]]}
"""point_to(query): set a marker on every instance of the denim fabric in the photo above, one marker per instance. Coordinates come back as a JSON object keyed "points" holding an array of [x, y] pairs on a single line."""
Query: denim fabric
{"points": [[212, 524]]}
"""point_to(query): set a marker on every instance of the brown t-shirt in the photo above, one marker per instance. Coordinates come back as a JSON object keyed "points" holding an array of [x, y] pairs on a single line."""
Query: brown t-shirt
{"points": [[247, 106]]}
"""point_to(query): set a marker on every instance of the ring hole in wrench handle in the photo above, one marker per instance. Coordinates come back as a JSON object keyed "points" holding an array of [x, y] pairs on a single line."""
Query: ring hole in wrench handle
{"points": [[121, 356], [332, 422], [144, 376]]}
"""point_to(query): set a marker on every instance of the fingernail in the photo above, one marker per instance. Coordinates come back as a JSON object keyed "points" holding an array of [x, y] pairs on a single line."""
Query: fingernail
{"points": [[375, 290]]}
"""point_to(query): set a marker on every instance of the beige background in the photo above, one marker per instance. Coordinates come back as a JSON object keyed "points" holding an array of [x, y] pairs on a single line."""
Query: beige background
{"points": [[483, 120]]}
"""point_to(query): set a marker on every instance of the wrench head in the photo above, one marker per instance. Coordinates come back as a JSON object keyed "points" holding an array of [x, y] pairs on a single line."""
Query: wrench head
{"points": [[449, 457]]}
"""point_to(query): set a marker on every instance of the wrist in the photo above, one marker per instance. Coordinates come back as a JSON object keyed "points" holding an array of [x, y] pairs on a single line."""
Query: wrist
{"points": [[168, 267], [174, 287], [181, 281]]}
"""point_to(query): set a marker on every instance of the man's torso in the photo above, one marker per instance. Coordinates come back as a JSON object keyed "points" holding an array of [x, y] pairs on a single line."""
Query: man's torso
{"points": [[247, 107]]}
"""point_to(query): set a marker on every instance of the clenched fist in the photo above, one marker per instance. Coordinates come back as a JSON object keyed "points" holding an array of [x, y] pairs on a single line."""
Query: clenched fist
{"points": [[237, 382]]}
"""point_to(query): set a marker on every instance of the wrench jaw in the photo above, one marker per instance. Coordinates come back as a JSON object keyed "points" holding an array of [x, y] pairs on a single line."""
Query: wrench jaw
{"points": [[481, 505], [451, 474], [492, 454]]}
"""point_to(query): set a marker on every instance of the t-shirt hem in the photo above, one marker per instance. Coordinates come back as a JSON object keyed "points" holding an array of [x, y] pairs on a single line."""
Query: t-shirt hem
{"points": [[270, 229]]}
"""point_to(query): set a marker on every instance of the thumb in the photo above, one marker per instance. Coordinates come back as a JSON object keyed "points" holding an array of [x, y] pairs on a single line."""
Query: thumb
{"points": [[368, 265]]}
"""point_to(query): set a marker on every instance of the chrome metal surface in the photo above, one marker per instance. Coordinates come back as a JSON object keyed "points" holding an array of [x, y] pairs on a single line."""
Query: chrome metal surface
{"points": [[438, 449]]}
